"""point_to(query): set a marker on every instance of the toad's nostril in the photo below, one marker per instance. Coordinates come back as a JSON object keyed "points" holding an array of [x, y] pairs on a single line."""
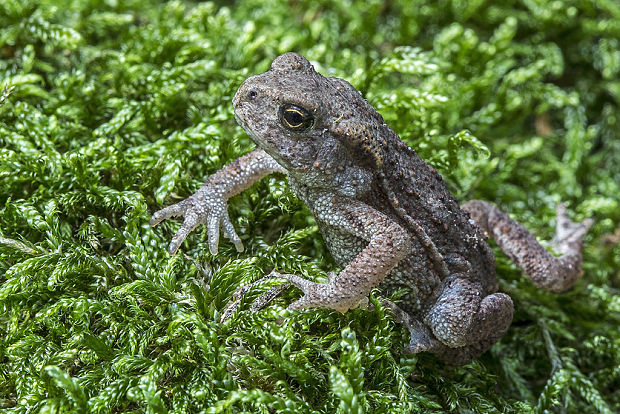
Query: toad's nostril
{"points": [[252, 94]]}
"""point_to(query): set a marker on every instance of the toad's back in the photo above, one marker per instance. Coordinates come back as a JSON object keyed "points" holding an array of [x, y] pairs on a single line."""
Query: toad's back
{"points": [[404, 187]]}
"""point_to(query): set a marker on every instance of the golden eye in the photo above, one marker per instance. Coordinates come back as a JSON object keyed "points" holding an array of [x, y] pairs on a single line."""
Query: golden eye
{"points": [[295, 118]]}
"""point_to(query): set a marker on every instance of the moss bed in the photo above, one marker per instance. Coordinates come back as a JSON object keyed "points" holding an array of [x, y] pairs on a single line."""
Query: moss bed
{"points": [[111, 109]]}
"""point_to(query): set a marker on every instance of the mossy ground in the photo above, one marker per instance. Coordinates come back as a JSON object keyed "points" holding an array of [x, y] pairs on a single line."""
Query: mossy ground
{"points": [[111, 109]]}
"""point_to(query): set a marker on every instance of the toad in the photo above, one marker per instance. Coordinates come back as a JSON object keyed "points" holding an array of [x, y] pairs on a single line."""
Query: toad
{"points": [[386, 216]]}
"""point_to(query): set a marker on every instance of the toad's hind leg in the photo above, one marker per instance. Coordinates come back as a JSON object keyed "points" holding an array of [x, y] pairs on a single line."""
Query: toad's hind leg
{"points": [[555, 274], [462, 316], [452, 323]]}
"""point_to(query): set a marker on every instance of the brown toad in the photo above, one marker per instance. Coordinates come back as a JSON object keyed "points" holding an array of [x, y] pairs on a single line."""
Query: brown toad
{"points": [[386, 216]]}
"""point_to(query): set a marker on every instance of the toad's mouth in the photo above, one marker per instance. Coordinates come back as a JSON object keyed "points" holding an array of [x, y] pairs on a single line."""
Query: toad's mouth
{"points": [[258, 140]]}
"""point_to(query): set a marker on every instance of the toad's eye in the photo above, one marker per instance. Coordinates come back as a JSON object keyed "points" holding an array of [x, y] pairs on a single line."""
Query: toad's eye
{"points": [[295, 118]]}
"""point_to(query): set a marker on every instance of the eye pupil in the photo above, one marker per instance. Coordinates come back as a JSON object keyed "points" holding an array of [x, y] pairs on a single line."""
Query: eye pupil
{"points": [[295, 118]]}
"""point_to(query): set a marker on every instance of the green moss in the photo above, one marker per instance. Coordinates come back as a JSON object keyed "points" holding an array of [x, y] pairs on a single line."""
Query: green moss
{"points": [[109, 110]]}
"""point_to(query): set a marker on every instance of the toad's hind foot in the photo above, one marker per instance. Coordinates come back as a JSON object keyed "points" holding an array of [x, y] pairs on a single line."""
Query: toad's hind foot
{"points": [[568, 234], [555, 274], [262, 301]]}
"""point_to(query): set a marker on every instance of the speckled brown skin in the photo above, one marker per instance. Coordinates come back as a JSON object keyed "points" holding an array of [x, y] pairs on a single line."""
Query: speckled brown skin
{"points": [[386, 216]]}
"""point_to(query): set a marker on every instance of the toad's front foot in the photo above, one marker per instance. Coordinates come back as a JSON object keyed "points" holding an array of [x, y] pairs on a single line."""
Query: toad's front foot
{"points": [[330, 295], [208, 206]]}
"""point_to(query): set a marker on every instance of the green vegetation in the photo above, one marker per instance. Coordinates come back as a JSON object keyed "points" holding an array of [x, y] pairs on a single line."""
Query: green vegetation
{"points": [[111, 109]]}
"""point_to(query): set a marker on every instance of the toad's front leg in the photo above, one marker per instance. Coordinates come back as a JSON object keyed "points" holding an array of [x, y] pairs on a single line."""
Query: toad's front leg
{"points": [[209, 204], [388, 243]]}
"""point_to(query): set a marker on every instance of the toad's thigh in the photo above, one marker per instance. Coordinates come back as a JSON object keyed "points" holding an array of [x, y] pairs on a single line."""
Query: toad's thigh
{"points": [[463, 316]]}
